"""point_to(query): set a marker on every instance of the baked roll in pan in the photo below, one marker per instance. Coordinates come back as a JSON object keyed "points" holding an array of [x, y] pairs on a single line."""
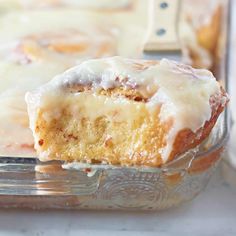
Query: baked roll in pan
{"points": [[124, 112]]}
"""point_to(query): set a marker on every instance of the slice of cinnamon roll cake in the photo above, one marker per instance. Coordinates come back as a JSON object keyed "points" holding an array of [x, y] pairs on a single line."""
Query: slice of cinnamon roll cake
{"points": [[124, 112]]}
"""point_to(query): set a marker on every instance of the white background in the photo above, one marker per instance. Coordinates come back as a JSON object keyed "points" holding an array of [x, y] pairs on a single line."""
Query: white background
{"points": [[212, 213]]}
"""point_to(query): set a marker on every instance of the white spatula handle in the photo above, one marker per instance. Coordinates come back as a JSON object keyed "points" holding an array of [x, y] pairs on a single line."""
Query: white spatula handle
{"points": [[163, 25]]}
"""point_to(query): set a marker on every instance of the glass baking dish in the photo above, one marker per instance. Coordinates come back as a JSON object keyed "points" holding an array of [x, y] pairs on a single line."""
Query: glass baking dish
{"points": [[26, 182]]}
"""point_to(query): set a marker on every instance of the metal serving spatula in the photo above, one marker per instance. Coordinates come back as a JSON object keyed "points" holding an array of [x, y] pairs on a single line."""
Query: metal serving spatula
{"points": [[162, 39]]}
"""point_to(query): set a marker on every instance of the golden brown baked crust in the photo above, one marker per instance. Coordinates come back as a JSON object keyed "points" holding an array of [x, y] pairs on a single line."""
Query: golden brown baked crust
{"points": [[186, 139], [208, 35]]}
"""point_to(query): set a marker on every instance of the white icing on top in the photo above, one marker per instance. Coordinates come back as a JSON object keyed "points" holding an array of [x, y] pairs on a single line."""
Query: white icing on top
{"points": [[182, 92], [17, 25], [101, 4], [179, 88]]}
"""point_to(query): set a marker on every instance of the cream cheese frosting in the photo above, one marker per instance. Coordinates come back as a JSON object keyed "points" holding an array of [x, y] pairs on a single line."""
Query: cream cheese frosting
{"points": [[182, 92], [31, 26]]}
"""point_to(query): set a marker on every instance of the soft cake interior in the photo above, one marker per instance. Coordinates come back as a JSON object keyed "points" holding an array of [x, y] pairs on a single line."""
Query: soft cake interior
{"points": [[113, 126]]}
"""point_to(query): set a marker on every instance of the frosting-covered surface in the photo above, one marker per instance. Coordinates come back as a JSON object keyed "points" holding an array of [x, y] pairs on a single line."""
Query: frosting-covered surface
{"points": [[40, 39], [45, 4], [45, 43], [182, 92]]}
